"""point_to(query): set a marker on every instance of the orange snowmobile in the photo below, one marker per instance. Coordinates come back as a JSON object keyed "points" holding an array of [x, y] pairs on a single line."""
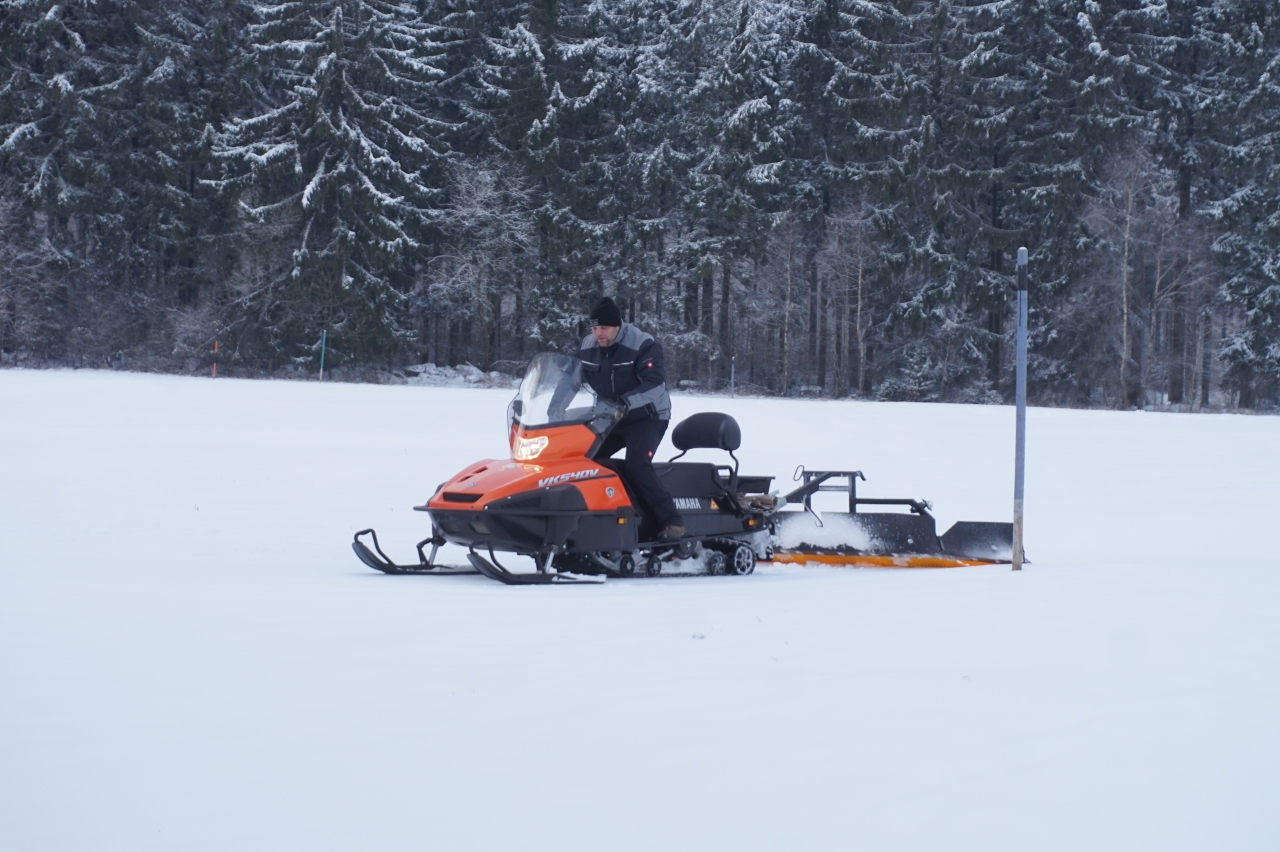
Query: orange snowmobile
{"points": [[576, 516]]}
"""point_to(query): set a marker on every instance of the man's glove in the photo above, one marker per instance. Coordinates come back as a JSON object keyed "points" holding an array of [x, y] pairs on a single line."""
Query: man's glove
{"points": [[624, 404]]}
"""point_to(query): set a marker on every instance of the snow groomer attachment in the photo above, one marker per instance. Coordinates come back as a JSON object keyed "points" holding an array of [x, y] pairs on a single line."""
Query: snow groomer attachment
{"points": [[879, 539]]}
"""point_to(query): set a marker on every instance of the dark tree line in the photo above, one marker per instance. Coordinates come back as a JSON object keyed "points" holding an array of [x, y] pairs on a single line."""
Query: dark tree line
{"points": [[821, 196]]}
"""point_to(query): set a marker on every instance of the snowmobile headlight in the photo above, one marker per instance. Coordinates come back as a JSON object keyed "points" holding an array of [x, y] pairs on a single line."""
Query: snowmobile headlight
{"points": [[526, 449]]}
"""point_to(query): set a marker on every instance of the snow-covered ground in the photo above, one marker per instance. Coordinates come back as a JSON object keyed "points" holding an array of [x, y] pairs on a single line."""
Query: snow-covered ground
{"points": [[191, 658]]}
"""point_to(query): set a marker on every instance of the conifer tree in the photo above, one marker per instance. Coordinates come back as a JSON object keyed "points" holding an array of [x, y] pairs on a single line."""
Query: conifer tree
{"points": [[1248, 216], [345, 154]]}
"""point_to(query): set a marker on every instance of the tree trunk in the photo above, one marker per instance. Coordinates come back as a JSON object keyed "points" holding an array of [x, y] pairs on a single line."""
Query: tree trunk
{"points": [[1245, 399], [726, 339], [1206, 364], [1124, 292], [824, 333], [842, 343], [995, 349], [786, 317], [707, 313], [995, 317], [1197, 399], [1177, 348], [862, 343], [517, 321], [688, 364], [815, 322], [707, 319], [1152, 330], [495, 330]]}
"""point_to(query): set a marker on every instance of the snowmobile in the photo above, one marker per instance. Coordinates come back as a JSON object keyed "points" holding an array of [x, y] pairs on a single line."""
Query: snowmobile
{"points": [[576, 516], [578, 520]]}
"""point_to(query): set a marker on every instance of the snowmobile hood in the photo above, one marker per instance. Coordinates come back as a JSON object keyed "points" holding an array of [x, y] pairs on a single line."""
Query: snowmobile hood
{"points": [[493, 481]]}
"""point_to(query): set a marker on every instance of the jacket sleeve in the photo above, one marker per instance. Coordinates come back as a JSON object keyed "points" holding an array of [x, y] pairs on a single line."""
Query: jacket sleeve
{"points": [[652, 376]]}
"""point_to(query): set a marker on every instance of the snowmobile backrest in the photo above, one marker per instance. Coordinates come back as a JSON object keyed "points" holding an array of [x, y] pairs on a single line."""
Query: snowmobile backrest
{"points": [[709, 430]]}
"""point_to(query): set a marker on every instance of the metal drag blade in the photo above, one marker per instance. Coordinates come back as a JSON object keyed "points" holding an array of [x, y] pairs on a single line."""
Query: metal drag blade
{"points": [[980, 540]]}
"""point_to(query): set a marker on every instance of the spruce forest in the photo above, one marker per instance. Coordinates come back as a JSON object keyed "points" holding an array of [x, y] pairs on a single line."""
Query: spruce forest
{"points": [[824, 197]]}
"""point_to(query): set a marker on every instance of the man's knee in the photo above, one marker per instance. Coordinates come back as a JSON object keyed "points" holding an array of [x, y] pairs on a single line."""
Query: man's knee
{"points": [[639, 461]]}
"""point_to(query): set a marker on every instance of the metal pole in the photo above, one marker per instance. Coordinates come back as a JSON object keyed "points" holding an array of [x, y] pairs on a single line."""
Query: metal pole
{"points": [[733, 367], [324, 339], [1020, 453]]}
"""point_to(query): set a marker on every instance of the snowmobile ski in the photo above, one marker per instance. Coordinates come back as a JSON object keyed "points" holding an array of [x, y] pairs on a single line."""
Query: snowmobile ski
{"points": [[426, 565]]}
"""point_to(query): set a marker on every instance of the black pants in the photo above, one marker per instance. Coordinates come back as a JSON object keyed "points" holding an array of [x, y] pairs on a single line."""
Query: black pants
{"points": [[641, 438]]}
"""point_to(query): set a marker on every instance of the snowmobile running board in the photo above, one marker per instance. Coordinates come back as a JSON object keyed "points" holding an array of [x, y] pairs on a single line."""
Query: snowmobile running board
{"points": [[426, 564]]}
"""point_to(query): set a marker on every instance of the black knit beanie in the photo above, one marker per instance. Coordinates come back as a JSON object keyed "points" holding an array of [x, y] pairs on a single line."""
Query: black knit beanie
{"points": [[605, 313]]}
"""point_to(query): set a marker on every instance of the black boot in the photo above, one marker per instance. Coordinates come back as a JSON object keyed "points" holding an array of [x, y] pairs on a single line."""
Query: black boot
{"points": [[672, 532]]}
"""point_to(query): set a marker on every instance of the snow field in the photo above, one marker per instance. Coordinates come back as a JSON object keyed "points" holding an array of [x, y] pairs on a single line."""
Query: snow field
{"points": [[192, 658]]}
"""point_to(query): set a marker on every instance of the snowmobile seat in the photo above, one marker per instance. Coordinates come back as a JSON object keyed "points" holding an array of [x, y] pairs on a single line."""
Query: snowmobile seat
{"points": [[693, 479], [709, 430]]}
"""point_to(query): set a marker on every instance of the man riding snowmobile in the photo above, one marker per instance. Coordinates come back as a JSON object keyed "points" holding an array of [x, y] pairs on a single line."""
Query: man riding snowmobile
{"points": [[623, 364], [558, 500]]}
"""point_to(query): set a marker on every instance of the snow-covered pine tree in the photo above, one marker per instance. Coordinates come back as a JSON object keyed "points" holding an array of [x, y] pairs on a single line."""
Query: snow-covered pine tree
{"points": [[588, 152], [639, 163], [682, 38], [1088, 109], [547, 82], [192, 57], [1246, 114], [849, 83], [343, 163], [69, 109], [1015, 105], [946, 190], [749, 127], [59, 110]]}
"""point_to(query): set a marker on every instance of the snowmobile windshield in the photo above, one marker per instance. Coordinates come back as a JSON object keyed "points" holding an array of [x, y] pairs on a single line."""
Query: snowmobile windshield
{"points": [[552, 393]]}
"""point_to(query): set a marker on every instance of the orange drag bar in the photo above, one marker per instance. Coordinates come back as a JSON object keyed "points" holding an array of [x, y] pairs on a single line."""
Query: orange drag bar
{"points": [[868, 561]]}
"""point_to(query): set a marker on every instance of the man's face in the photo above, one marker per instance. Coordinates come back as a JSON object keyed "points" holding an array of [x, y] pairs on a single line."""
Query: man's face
{"points": [[605, 334]]}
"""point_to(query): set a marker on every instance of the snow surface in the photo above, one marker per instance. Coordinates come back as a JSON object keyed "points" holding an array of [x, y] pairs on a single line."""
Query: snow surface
{"points": [[191, 657]]}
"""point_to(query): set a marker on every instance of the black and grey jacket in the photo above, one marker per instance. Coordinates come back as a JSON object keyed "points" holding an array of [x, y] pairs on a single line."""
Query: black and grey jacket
{"points": [[632, 369]]}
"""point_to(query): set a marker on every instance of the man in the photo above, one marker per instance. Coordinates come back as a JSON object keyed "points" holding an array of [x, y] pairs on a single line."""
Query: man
{"points": [[624, 364]]}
